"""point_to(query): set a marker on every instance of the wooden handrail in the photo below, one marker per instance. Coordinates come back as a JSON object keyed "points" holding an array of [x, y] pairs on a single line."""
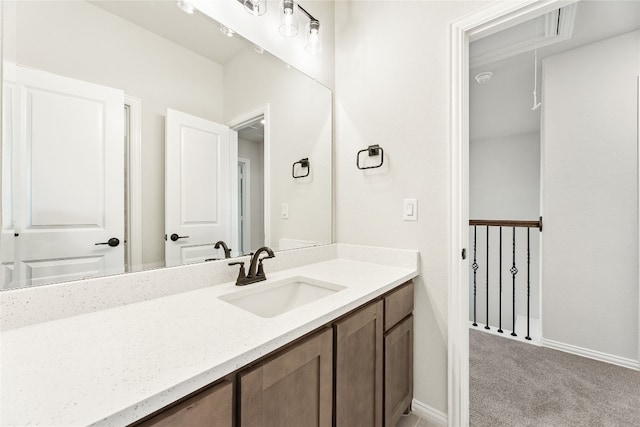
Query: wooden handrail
{"points": [[507, 223]]}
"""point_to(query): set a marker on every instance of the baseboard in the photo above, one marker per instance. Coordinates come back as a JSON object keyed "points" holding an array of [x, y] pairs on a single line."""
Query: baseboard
{"points": [[591, 354], [429, 413]]}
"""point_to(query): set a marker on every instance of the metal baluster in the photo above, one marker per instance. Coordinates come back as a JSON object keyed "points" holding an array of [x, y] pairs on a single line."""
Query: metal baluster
{"points": [[514, 271], [500, 281], [475, 269], [528, 281], [487, 322]]}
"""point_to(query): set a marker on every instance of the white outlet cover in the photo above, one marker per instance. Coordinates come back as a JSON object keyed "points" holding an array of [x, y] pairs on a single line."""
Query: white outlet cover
{"points": [[284, 212]]}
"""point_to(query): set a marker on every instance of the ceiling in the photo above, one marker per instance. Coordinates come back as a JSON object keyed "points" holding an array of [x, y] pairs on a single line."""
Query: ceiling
{"points": [[502, 107], [165, 19], [253, 132], [203, 37]]}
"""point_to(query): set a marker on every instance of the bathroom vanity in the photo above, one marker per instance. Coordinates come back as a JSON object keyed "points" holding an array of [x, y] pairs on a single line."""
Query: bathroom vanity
{"points": [[372, 347], [199, 355]]}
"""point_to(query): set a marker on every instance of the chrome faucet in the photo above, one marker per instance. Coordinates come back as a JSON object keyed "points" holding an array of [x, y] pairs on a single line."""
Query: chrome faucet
{"points": [[227, 251], [256, 271]]}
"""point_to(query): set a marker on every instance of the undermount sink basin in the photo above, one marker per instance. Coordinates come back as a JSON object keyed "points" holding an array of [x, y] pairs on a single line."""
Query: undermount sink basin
{"points": [[272, 299]]}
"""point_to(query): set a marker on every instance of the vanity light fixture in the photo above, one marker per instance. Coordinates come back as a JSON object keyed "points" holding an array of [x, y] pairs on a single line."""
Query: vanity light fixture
{"points": [[256, 7], [289, 11], [288, 18], [186, 7], [227, 31]]}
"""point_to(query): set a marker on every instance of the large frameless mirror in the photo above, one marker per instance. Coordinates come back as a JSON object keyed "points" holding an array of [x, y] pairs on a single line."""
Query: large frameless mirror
{"points": [[137, 136]]}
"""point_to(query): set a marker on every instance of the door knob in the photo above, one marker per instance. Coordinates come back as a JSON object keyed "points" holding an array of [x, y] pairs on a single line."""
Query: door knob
{"points": [[113, 242], [174, 237]]}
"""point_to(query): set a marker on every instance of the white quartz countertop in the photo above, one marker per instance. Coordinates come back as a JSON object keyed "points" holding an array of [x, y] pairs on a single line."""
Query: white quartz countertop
{"points": [[115, 366]]}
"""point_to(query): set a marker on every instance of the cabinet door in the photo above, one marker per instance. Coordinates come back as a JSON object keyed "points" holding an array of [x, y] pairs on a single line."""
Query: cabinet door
{"points": [[210, 408], [398, 371], [292, 390], [358, 379]]}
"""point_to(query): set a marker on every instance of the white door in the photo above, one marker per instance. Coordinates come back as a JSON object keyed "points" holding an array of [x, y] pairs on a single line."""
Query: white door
{"points": [[9, 99], [68, 182], [197, 187]]}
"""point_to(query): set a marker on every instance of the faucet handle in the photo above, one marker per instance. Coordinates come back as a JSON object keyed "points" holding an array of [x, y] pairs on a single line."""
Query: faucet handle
{"points": [[241, 274]]}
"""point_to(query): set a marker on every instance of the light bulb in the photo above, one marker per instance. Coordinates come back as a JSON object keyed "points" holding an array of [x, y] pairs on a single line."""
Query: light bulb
{"points": [[314, 38], [288, 18]]}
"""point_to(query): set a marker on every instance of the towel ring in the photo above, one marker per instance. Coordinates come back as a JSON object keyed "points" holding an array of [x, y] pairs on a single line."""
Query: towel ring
{"points": [[373, 150], [304, 163]]}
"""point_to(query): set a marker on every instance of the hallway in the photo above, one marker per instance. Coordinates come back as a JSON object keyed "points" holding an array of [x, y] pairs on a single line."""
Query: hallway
{"points": [[517, 384]]}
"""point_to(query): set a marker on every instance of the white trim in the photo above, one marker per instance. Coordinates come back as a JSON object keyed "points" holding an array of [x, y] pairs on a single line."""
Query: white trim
{"points": [[135, 182], [428, 413], [638, 212], [237, 122], [486, 21], [233, 184], [247, 244], [541, 205], [591, 354], [521, 330]]}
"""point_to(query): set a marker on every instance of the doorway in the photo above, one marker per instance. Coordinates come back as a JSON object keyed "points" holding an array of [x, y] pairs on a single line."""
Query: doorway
{"points": [[251, 184], [464, 31], [252, 230]]}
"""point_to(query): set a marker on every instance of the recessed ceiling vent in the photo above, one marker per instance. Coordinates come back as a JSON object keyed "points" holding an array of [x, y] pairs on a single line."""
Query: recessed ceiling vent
{"points": [[546, 30]]}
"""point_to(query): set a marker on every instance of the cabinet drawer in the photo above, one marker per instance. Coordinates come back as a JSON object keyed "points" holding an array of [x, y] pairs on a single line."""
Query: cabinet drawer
{"points": [[398, 305], [398, 371], [211, 408]]}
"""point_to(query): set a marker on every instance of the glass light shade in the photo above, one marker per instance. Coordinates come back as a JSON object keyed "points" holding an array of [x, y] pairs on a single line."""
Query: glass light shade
{"points": [[256, 7], [314, 38], [288, 18]]}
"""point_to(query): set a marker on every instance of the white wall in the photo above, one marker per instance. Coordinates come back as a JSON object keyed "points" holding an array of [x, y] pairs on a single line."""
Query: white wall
{"points": [[254, 151], [392, 89], [504, 177], [504, 183], [81, 41], [299, 126], [590, 261]]}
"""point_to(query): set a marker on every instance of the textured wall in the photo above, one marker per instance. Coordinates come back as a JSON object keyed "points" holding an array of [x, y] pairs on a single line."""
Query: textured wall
{"points": [[392, 89]]}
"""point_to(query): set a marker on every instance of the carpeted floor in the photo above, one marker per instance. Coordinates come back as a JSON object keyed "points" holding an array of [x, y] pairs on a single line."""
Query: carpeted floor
{"points": [[517, 384]]}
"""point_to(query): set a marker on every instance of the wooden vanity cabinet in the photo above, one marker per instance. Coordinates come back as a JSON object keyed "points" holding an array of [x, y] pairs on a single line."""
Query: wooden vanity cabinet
{"points": [[358, 371], [212, 407], [398, 353], [354, 371], [292, 389]]}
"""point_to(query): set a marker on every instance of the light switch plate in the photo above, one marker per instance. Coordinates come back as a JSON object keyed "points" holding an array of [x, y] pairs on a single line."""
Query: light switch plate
{"points": [[410, 210], [284, 212]]}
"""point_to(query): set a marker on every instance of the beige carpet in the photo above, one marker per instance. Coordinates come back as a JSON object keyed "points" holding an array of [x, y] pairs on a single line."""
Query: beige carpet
{"points": [[517, 384]]}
